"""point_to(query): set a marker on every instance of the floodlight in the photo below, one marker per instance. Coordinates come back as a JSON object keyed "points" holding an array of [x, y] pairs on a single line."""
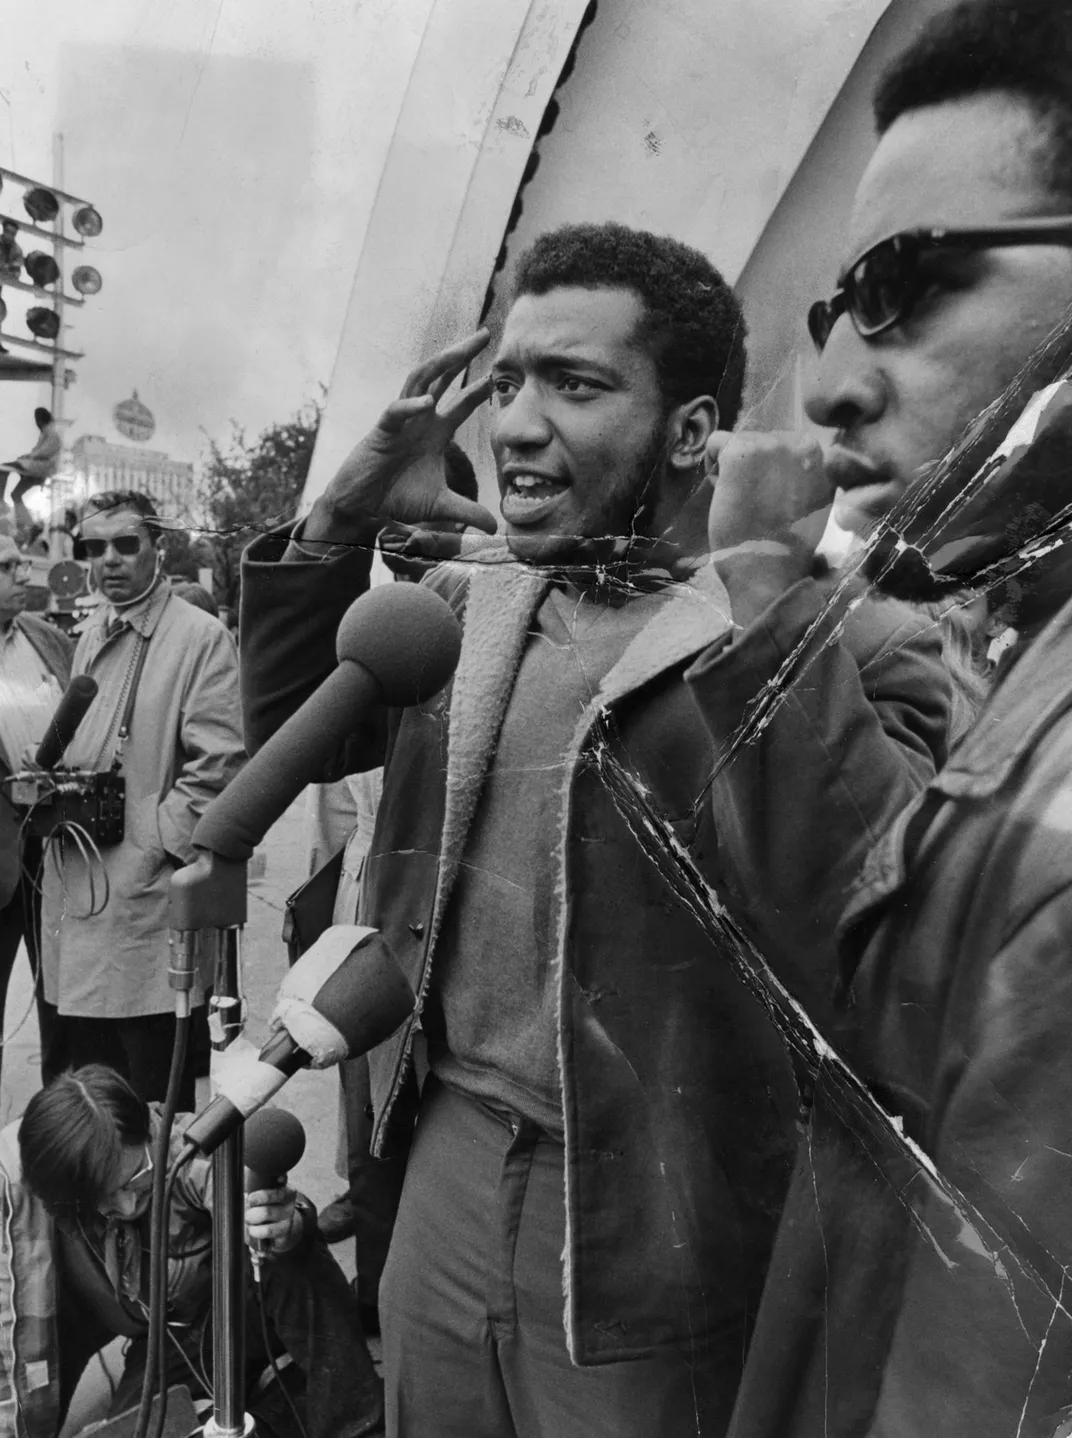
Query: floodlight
{"points": [[45, 324], [88, 222], [86, 280], [41, 205], [42, 268]]}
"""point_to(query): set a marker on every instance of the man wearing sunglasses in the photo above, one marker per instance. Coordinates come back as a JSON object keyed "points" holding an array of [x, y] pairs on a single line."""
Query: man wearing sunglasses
{"points": [[76, 1176], [35, 665], [919, 1285], [176, 744]]}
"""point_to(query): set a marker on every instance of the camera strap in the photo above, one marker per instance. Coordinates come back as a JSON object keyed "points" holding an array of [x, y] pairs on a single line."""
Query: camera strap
{"points": [[132, 694], [125, 707]]}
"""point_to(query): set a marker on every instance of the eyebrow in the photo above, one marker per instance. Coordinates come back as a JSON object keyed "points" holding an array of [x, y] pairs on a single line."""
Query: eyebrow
{"points": [[563, 359]]}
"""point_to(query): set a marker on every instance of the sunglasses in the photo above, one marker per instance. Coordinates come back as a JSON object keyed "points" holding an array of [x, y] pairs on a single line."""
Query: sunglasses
{"points": [[125, 544], [15, 568], [880, 289]]}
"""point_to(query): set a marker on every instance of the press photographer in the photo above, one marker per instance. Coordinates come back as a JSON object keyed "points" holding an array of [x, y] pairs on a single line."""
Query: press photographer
{"points": [[75, 1180], [166, 722]]}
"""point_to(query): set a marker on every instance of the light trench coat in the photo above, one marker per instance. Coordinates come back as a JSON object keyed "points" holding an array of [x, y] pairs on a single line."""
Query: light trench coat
{"points": [[184, 747]]}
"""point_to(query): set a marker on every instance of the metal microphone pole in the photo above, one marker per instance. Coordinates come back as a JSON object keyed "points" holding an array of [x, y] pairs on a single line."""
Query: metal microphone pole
{"points": [[210, 895]]}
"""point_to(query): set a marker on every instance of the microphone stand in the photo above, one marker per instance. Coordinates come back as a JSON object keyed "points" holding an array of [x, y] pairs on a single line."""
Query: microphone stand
{"points": [[210, 895]]}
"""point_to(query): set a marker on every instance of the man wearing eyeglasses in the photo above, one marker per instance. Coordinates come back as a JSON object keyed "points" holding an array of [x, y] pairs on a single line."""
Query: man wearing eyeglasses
{"points": [[176, 744], [920, 1282], [76, 1176], [35, 664]]}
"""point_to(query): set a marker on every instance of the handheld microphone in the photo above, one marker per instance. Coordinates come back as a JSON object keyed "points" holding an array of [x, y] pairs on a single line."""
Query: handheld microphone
{"points": [[70, 712], [345, 995], [397, 645], [274, 1144]]}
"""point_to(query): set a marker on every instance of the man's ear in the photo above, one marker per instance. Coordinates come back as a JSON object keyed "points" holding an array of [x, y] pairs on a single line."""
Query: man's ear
{"points": [[690, 427]]}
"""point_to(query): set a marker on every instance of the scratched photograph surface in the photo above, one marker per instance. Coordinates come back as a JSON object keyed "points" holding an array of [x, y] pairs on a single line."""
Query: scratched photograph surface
{"points": [[773, 949]]}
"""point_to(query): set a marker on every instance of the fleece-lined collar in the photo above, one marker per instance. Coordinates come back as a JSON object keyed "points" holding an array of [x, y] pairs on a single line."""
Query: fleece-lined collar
{"points": [[501, 603]]}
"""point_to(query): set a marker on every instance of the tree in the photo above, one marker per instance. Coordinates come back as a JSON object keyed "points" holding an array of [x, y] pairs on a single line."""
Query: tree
{"points": [[253, 486]]}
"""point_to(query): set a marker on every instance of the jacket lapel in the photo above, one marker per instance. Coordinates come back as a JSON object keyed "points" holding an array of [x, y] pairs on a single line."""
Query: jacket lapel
{"points": [[500, 604], [696, 613]]}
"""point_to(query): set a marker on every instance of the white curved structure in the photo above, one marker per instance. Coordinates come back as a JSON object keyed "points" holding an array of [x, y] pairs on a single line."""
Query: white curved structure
{"points": [[688, 117]]}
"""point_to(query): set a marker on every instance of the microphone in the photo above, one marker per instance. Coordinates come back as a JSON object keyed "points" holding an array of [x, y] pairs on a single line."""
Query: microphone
{"points": [[70, 712], [345, 995], [397, 645], [274, 1144]]}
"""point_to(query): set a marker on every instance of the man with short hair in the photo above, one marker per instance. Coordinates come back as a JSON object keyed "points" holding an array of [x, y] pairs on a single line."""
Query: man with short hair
{"points": [[165, 720], [608, 1114], [35, 665], [76, 1175], [917, 1291]]}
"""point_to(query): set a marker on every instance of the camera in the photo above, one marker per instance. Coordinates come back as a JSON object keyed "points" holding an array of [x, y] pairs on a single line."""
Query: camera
{"points": [[55, 799]]}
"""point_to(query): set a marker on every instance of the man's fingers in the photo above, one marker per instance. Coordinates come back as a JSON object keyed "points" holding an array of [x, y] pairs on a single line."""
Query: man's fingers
{"points": [[446, 365], [400, 411], [460, 406], [465, 511], [717, 441]]}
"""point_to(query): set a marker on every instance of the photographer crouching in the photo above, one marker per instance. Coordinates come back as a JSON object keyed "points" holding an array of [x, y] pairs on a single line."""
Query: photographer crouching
{"points": [[75, 1182], [163, 736]]}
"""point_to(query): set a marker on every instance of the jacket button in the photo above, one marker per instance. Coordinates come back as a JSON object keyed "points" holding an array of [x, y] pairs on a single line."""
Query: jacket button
{"points": [[417, 930]]}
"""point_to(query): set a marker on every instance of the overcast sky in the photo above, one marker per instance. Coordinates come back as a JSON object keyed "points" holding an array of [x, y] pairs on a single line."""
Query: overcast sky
{"points": [[233, 148], [225, 146]]}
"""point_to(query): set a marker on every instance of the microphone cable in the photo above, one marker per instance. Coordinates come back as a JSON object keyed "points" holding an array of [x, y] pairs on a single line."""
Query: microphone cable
{"points": [[163, 1184]]}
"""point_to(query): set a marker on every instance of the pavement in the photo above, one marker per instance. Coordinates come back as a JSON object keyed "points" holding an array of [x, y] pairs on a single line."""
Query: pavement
{"points": [[312, 1097]]}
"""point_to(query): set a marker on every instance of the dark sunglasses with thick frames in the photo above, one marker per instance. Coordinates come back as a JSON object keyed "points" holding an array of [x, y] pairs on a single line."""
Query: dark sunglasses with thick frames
{"points": [[879, 290], [124, 544]]}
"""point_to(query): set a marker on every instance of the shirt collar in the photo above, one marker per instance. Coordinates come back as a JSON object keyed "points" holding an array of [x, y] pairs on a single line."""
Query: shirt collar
{"points": [[144, 616]]}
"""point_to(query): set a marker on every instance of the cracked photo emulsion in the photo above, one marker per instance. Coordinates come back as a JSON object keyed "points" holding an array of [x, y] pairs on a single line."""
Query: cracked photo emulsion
{"points": [[536, 719]]}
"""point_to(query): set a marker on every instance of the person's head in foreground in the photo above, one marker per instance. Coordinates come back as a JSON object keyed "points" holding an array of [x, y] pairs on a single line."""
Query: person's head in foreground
{"points": [[84, 1142], [42, 417], [122, 539], [14, 572], [621, 352], [975, 138]]}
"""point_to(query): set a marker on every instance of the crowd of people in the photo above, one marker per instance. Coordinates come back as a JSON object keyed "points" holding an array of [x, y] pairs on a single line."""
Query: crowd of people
{"points": [[734, 889]]}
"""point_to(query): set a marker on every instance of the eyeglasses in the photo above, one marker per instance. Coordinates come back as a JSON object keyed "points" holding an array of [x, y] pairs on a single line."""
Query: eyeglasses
{"points": [[125, 544], [15, 568], [880, 289]]}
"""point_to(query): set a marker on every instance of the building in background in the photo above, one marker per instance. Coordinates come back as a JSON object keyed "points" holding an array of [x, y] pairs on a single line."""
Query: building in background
{"points": [[96, 463]]}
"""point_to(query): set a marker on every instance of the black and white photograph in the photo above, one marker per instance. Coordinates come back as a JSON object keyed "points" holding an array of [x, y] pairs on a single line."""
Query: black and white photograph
{"points": [[536, 719]]}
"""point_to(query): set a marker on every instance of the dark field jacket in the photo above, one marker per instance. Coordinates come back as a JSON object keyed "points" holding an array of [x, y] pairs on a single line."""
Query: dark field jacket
{"points": [[922, 1287], [679, 1102]]}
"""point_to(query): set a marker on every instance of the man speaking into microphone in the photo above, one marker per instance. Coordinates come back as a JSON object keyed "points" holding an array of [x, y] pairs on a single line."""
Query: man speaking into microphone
{"points": [[607, 1121]]}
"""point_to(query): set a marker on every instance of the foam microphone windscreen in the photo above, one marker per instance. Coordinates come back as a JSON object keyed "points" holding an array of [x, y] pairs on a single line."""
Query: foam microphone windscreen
{"points": [[397, 645], [367, 997], [70, 712], [274, 1144], [406, 636]]}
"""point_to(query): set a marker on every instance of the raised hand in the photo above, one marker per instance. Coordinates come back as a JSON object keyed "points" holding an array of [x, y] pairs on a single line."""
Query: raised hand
{"points": [[397, 471], [770, 505]]}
